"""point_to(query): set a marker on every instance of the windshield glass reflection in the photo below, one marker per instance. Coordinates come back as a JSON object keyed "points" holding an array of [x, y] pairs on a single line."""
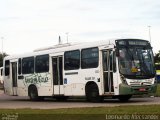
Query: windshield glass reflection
{"points": [[136, 61]]}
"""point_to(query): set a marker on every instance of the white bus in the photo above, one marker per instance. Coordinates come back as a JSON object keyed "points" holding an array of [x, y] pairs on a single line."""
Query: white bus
{"points": [[114, 68]]}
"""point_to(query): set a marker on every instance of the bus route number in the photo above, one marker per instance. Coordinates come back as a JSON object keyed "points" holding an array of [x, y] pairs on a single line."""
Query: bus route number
{"points": [[89, 78]]}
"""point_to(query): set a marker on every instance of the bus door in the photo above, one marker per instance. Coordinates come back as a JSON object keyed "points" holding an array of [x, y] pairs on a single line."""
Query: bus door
{"points": [[107, 62], [57, 67], [14, 77]]}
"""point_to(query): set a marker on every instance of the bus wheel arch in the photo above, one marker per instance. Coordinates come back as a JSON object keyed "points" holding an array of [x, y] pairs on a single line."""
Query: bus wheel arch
{"points": [[33, 93], [92, 92]]}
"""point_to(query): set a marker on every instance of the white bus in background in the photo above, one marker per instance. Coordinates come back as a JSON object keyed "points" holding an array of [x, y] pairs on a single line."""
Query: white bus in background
{"points": [[1, 75], [116, 68]]}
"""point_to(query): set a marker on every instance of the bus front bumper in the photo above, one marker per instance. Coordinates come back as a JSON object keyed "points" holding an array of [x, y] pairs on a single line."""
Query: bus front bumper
{"points": [[137, 90]]}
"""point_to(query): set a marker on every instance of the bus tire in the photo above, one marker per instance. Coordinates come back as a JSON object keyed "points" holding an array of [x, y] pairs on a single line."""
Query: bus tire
{"points": [[124, 98], [92, 93], [33, 93]]}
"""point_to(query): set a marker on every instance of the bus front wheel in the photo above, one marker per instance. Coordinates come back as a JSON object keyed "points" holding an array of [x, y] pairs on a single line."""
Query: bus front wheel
{"points": [[124, 98], [92, 93]]}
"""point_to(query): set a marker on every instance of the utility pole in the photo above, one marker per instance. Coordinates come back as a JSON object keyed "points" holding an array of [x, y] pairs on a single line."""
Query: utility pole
{"points": [[67, 36], [2, 45], [149, 32], [60, 42]]}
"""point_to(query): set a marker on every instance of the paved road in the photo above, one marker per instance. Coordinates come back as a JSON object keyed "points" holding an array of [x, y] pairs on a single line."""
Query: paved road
{"points": [[24, 102]]}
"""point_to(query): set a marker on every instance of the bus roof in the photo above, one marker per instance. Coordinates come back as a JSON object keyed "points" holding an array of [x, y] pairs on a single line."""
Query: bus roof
{"points": [[64, 47]]}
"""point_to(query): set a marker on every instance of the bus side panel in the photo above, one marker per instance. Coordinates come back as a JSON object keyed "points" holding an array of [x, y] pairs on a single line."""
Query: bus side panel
{"points": [[116, 81], [8, 85], [91, 75], [22, 91], [45, 91], [22, 87], [71, 78], [42, 81], [67, 88], [78, 89], [75, 81]]}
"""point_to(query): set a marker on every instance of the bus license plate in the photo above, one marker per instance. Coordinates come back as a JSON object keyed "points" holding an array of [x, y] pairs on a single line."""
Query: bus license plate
{"points": [[142, 89]]}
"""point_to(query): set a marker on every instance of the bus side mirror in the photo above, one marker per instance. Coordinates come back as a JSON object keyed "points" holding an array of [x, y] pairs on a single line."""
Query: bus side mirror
{"points": [[117, 52]]}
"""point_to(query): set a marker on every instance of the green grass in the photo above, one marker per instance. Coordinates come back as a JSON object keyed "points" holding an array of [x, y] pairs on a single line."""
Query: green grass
{"points": [[98, 113], [158, 91], [145, 109]]}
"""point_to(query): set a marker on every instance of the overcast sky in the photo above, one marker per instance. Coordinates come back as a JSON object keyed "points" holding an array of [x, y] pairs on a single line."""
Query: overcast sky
{"points": [[29, 24]]}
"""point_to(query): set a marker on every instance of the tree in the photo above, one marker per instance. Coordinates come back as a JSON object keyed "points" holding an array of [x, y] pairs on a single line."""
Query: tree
{"points": [[1, 58], [157, 57]]}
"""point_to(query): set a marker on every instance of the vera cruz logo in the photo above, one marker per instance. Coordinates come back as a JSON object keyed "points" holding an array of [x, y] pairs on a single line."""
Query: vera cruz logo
{"points": [[37, 78]]}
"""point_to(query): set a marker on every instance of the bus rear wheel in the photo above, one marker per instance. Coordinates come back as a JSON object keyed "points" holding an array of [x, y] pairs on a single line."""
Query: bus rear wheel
{"points": [[92, 93], [33, 94]]}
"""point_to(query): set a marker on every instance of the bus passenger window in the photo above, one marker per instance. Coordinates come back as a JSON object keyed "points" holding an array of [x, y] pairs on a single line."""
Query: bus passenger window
{"points": [[19, 66], [28, 65], [72, 60], [89, 58], [7, 67], [42, 63]]}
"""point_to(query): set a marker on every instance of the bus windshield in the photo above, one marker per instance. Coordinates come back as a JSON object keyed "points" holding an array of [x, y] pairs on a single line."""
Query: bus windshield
{"points": [[136, 62]]}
